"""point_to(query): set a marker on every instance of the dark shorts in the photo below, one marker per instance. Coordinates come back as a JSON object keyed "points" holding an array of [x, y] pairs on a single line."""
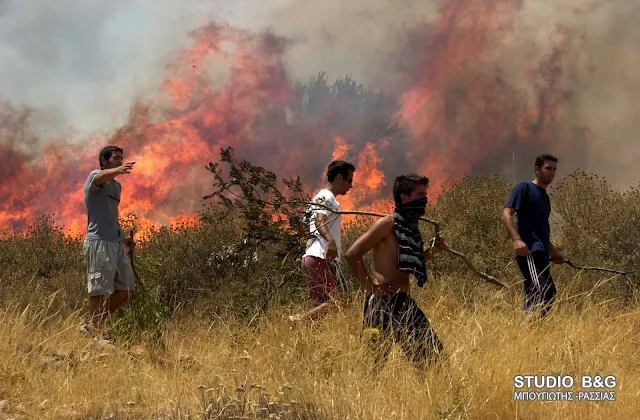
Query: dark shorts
{"points": [[399, 319], [323, 278], [539, 288]]}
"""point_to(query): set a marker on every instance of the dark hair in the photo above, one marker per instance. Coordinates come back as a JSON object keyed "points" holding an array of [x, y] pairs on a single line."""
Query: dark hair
{"points": [[405, 184], [107, 151], [339, 167], [540, 160]]}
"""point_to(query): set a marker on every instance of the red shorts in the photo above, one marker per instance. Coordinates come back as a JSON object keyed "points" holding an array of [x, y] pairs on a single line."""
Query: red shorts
{"points": [[321, 278]]}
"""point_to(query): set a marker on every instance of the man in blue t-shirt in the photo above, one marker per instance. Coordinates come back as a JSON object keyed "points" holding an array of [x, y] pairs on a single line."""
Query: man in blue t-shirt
{"points": [[531, 235]]}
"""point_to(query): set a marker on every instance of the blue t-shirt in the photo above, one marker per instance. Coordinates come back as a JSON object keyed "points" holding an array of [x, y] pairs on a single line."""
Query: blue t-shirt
{"points": [[102, 203], [533, 207]]}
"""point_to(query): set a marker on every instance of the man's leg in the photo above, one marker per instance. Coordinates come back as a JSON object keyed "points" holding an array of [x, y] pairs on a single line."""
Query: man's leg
{"points": [[531, 291], [117, 299], [539, 289], [97, 310], [547, 286], [320, 284], [417, 337], [375, 330], [124, 282], [100, 279]]}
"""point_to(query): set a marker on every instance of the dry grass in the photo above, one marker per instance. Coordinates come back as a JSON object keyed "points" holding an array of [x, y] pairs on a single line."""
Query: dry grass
{"points": [[218, 357], [224, 370]]}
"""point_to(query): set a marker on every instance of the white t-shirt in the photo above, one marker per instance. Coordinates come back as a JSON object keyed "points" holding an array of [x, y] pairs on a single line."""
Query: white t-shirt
{"points": [[317, 246]]}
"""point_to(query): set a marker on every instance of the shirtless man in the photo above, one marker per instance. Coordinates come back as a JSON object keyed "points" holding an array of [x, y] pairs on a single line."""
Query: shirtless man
{"points": [[398, 251]]}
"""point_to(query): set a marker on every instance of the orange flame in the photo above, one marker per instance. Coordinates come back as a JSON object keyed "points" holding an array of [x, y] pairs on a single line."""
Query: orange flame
{"points": [[368, 179], [457, 118]]}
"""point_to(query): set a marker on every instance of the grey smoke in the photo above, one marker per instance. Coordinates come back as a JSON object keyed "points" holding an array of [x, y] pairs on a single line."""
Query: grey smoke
{"points": [[81, 64]]}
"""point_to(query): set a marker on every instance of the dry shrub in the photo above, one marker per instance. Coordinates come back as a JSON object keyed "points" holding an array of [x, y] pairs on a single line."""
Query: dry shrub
{"points": [[40, 260], [598, 225], [221, 266], [470, 214], [177, 259]]}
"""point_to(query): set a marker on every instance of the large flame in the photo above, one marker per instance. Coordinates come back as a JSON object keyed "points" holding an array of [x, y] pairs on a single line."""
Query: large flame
{"points": [[456, 115], [460, 116], [369, 180]]}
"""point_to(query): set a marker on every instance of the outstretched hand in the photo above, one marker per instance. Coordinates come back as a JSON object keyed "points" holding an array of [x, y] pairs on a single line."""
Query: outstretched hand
{"points": [[125, 168]]}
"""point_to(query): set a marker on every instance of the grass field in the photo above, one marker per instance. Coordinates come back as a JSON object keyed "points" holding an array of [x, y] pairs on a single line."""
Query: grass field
{"points": [[319, 369], [208, 344]]}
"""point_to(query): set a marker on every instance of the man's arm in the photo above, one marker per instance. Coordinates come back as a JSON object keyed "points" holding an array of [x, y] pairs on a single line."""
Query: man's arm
{"points": [[516, 201], [509, 224], [364, 244], [321, 226], [519, 246], [107, 175]]}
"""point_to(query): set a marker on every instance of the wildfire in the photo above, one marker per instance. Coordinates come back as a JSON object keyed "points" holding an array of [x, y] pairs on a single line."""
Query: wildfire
{"points": [[460, 117], [369, 180], [454, 118]]}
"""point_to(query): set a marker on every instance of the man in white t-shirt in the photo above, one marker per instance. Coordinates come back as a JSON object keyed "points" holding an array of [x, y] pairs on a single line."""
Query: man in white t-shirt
{"points": [[321, 260]]}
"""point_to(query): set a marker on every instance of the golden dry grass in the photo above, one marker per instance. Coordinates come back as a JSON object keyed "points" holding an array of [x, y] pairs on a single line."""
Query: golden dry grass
{"points": [[48, 369], [209, 364]]}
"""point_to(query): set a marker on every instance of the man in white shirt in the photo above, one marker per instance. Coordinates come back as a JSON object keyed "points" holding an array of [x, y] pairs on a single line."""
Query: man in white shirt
{"points": [[321, 260]]}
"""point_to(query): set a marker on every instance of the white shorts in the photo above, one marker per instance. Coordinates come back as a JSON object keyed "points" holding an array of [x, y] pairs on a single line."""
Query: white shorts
{"points": [[108, 267]]}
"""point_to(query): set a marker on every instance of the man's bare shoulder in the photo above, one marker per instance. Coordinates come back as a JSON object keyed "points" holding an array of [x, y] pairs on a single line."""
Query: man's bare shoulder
{"points": [[383, 226], [380, 228], [383, 222]]}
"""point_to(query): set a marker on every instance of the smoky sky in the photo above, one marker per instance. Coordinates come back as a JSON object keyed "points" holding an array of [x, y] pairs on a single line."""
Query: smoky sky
{"points": [[81, 65]]}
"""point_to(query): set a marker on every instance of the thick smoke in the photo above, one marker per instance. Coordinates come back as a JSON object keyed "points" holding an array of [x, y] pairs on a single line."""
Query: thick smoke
{"points": [[596, 43], [478, 85], [82, 65], [592, 44]]}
